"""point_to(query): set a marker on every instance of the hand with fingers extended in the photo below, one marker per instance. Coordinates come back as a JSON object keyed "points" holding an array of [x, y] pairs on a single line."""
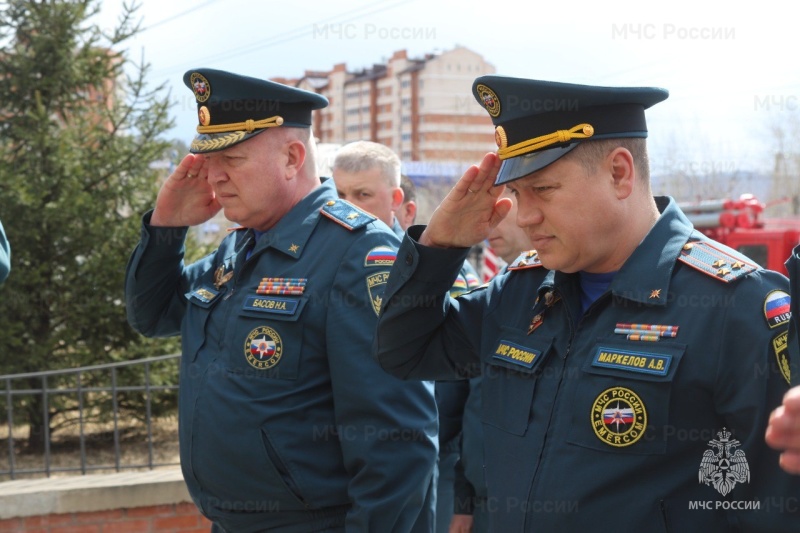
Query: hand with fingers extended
{"points": [[186, 198], [470, 210], [783, 431]]}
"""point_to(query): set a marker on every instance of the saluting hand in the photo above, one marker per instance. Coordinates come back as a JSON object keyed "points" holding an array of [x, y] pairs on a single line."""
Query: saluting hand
{"points": [[186, 198], [783, 431], [470, 210]]}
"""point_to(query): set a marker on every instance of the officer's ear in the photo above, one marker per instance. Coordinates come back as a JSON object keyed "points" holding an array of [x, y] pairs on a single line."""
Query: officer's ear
{"points": [[397, 198], [296, 157], [619, 163]]}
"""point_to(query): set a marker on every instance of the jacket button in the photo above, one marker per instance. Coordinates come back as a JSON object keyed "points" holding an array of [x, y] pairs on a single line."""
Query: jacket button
{"points": [[409, 259]]}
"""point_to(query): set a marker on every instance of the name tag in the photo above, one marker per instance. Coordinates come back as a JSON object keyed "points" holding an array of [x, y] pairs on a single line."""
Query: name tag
{"points": [[517, 354], [645, 363], [267, 304]]}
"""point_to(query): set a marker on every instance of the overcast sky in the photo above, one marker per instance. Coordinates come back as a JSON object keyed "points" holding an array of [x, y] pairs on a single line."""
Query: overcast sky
{"points": [[731, 68]]}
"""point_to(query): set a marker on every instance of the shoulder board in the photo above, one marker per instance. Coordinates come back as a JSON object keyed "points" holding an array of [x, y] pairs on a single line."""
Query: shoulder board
{"points": [[715, 261], [529, 259], [346, 214]]}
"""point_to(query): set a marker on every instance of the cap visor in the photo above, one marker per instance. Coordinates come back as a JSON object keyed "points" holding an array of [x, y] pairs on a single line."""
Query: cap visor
{"points": [[522, 165]]}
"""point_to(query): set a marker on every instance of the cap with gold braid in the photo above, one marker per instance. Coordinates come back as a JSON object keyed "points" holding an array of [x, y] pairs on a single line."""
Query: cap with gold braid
{"points": [[537, 122], [232, 108]]}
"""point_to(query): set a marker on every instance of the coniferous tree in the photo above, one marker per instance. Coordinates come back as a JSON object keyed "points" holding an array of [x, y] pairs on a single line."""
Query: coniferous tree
{"points": [[79, 130]]}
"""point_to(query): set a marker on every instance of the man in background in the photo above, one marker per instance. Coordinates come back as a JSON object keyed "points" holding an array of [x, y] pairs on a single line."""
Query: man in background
{"points": [[368, 175], [783, 431], [407, 213], [470, 514]]}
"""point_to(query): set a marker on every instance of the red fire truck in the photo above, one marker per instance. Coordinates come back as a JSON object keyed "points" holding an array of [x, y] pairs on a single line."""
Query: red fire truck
{"points": [[741, 225]]}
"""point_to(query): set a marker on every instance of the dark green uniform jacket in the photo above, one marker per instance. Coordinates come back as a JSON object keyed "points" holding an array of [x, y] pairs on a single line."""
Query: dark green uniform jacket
{"points": [[286, 421], [590, 423]]}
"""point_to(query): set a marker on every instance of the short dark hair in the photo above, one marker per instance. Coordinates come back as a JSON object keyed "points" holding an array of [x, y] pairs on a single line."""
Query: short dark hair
{"points": [[409, 189], [589, 153]]}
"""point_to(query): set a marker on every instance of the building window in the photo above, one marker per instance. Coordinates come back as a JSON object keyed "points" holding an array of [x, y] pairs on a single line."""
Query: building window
{"points": [[405, 84], [406, 137]]}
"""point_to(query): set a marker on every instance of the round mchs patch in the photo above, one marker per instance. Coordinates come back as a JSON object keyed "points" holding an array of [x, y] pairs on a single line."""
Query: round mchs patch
{"points": [[619, 417], [490, 100], [263, 348], [200, 87]]}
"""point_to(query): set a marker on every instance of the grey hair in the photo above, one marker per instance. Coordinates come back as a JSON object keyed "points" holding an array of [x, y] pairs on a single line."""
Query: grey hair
{"points": [[359, 156]]}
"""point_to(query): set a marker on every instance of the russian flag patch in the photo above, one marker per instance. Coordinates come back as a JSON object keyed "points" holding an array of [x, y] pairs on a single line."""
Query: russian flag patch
{"points": [[776, 308]]}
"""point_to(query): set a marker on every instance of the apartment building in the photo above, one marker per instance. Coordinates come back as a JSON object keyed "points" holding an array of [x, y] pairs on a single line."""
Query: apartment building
{"points": [[422, 108]]}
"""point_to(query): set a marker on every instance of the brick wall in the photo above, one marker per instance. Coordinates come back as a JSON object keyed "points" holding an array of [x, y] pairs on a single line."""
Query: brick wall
{"points": [[172, 518], [146, 502]]}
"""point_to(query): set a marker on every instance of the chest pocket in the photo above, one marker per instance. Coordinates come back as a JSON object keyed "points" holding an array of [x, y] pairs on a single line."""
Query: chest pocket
{"points": [[509, 378], [622, 397], [200, 301], [268, 340]]}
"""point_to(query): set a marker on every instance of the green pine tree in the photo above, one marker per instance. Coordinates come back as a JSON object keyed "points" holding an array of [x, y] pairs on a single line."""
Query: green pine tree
{"points": [[79, 129]]}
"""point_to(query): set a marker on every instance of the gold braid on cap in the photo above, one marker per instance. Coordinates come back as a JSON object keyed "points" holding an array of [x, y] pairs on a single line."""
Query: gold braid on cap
{"points": [[248, 125], [581, 131]]}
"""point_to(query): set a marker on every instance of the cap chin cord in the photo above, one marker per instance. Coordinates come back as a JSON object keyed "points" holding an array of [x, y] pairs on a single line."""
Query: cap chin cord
{"points": [[248, 125], [581, 131]]}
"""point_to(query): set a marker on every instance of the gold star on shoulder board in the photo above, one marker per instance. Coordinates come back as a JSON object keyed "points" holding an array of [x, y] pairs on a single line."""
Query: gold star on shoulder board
{"points": [[722, 272], [655, 294], [351, 216], [737, 265], [718, 263], [293, 248]]}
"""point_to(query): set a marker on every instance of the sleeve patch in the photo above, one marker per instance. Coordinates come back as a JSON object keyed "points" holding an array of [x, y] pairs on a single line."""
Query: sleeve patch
{"points": [[776, 308], [779, 346], [380, 256], [376, 285]]}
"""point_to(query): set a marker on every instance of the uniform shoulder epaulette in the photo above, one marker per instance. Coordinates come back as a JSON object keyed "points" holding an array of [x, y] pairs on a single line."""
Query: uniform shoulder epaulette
{"points": [[529, 259], [714, 261], [346, 214]]}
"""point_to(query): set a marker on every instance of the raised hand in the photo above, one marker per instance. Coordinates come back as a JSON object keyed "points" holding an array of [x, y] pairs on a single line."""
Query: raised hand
{"points": [[186, 198], [783, 431], [470, 210]]}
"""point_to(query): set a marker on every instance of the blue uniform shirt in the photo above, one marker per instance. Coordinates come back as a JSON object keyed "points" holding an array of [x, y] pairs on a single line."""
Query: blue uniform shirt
{"points": [[286, 421], [592, 424]]}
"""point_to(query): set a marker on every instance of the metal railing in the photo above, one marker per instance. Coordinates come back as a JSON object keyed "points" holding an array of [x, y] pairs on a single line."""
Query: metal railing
{"points": [[81, 392]]}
